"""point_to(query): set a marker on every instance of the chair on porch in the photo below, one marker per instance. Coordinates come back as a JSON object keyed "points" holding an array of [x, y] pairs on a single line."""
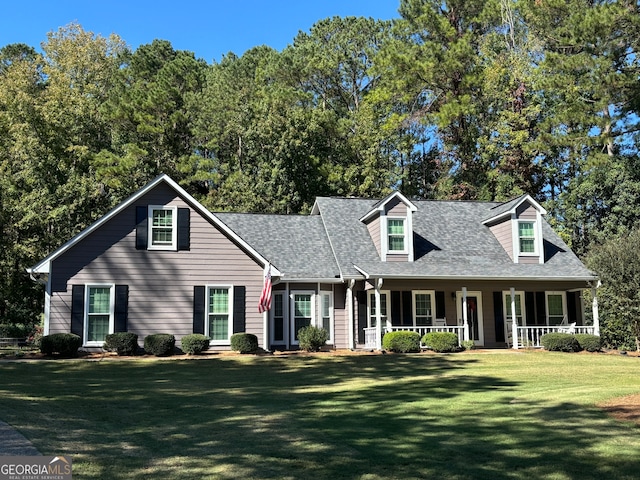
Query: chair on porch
{"points": [[570, 328], [508, 338], [440, 322]]}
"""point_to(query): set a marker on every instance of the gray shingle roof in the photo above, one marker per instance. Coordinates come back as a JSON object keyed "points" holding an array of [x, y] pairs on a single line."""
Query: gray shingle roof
{"points": [[449, 241]]}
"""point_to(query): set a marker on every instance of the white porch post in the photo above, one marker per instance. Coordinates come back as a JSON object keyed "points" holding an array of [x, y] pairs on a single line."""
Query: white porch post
{"points": [[465, 317], [594, 308], [350, 306], [514, 320], [378, 315]]}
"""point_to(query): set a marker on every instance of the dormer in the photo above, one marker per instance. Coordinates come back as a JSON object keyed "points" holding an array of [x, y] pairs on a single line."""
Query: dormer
{"points": [[390, 224], [517, 225]]}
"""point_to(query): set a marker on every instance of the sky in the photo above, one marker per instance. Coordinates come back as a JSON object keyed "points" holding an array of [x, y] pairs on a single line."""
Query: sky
{"points": [[209, 29]]}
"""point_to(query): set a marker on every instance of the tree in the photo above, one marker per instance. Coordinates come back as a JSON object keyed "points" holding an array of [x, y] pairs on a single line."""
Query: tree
{"points": [[617, 262]]}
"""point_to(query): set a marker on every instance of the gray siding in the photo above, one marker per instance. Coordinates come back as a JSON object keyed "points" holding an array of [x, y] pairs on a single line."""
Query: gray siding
{"points": [[395, 208], [503, 233], [374, 230], [160, 282]]}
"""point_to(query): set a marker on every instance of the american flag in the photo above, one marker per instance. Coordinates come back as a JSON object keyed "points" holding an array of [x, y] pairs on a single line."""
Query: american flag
{"points": [[264, 303]]}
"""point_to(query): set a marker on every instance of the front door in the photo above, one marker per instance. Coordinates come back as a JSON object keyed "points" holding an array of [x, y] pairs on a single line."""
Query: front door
{"points": [[474, 315]]}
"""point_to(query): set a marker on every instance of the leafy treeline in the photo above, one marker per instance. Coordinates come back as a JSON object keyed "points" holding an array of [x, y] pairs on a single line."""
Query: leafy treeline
{"points": [[466, 99]]}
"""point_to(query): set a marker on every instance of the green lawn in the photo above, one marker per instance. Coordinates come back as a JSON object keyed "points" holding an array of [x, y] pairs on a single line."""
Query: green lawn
{"points": [[525, 415]]}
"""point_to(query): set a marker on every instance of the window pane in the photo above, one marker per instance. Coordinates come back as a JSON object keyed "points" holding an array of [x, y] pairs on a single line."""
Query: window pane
{"points": [[277, 305], [526, 229], [163, 218], [527, 237], [555, 305], [99, 300], [518, 305], [219, 300], [396, 243], [97, 328], [395, 227], [162, 236], [326, 304], [527, 245], [219, 327], [423, 304], [302, 306], [301, 323]]}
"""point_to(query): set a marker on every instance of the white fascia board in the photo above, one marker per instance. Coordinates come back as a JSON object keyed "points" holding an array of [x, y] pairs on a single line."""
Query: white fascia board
{"points": [[44, 266], [512, 210], [380, 207], [480, 277]]}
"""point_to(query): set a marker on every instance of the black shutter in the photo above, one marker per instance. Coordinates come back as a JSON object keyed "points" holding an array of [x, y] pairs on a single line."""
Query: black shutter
{"points": [[77, 310], [239, 322], [142, 232], [199, 309], [530, 307], [396, 308], [572, 310], [407, 308], [121, 308], [362, 314], [440, 310], [184, 225], [499, 316], [541, 309]]}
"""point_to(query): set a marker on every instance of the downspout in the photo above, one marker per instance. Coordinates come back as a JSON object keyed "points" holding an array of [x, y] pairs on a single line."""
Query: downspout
{"points": [[594, 308], [351, 337]]}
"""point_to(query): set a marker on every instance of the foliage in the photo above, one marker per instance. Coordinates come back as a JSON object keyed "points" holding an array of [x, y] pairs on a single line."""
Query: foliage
{"points": [[312, 338], [560, 342], [64, 344], [15, 330], [123, 343], [194, 343], [590, 343], [401, 342], [244, 342], [468, 344], [159, 344], [441, 341], [617, 263]]}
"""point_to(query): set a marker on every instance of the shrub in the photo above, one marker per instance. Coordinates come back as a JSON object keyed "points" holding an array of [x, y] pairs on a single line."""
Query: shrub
{"points": [[401, 341], [244, 342], [590, 343], [159, 344], [15, 330], [312, 338], [64, 344], [123, 343], [560, 342], [441, 341], [195, 343], [468, 344]]}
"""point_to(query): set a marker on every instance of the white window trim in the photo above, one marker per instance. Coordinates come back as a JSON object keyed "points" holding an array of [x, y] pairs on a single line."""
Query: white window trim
{"points": [[322, 295], [546, 303], [174, 228], [371, 299], [292, 306], [207, 331], [112, 298], [385, 235], [432, 294], [507, 306], [536, 248]]}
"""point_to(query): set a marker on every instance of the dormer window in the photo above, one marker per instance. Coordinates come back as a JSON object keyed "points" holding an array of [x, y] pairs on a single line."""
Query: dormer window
{"points": [[396, 235], [527, 237], [162, 227]]}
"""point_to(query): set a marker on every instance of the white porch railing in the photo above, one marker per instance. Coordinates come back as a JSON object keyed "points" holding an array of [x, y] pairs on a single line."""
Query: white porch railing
{"points": [[529, 336], [370, 333]]}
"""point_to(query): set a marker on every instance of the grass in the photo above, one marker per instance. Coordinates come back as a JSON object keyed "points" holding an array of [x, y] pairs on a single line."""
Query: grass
{"points": [[464, 416]]}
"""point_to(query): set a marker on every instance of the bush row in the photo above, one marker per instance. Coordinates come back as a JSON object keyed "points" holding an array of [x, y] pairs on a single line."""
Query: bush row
{"points": [[567, 342]]}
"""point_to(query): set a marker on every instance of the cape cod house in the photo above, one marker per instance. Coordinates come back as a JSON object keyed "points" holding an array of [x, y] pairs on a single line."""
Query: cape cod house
{"points": [[494, 273]]}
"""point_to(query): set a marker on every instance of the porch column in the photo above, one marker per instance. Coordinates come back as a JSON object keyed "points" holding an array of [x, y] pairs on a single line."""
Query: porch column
{"points": [[350, 285], [514, 320], [594, 308], [465, 317], [378, 315]]}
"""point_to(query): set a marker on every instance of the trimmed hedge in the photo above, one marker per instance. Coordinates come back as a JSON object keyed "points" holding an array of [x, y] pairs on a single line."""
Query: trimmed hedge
{"points": [[560, 342], [590, 343], [160, 344], [401, 341], [312, 338], [441, 341], [64, 344], [244, 342], [194, 343], [123, 343]]}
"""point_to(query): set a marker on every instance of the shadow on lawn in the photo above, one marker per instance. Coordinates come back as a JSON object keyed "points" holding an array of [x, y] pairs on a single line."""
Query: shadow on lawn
{"points": [[300, 417]]}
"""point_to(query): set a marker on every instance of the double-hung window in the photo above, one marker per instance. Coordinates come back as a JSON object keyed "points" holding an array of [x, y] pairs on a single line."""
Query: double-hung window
{"points": [[163, 229], [303, 306], [423, 303], [326, 313], [384, 308], [99, 322], [219, 314], [396, 241], [527, 237], [556, 307]]}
